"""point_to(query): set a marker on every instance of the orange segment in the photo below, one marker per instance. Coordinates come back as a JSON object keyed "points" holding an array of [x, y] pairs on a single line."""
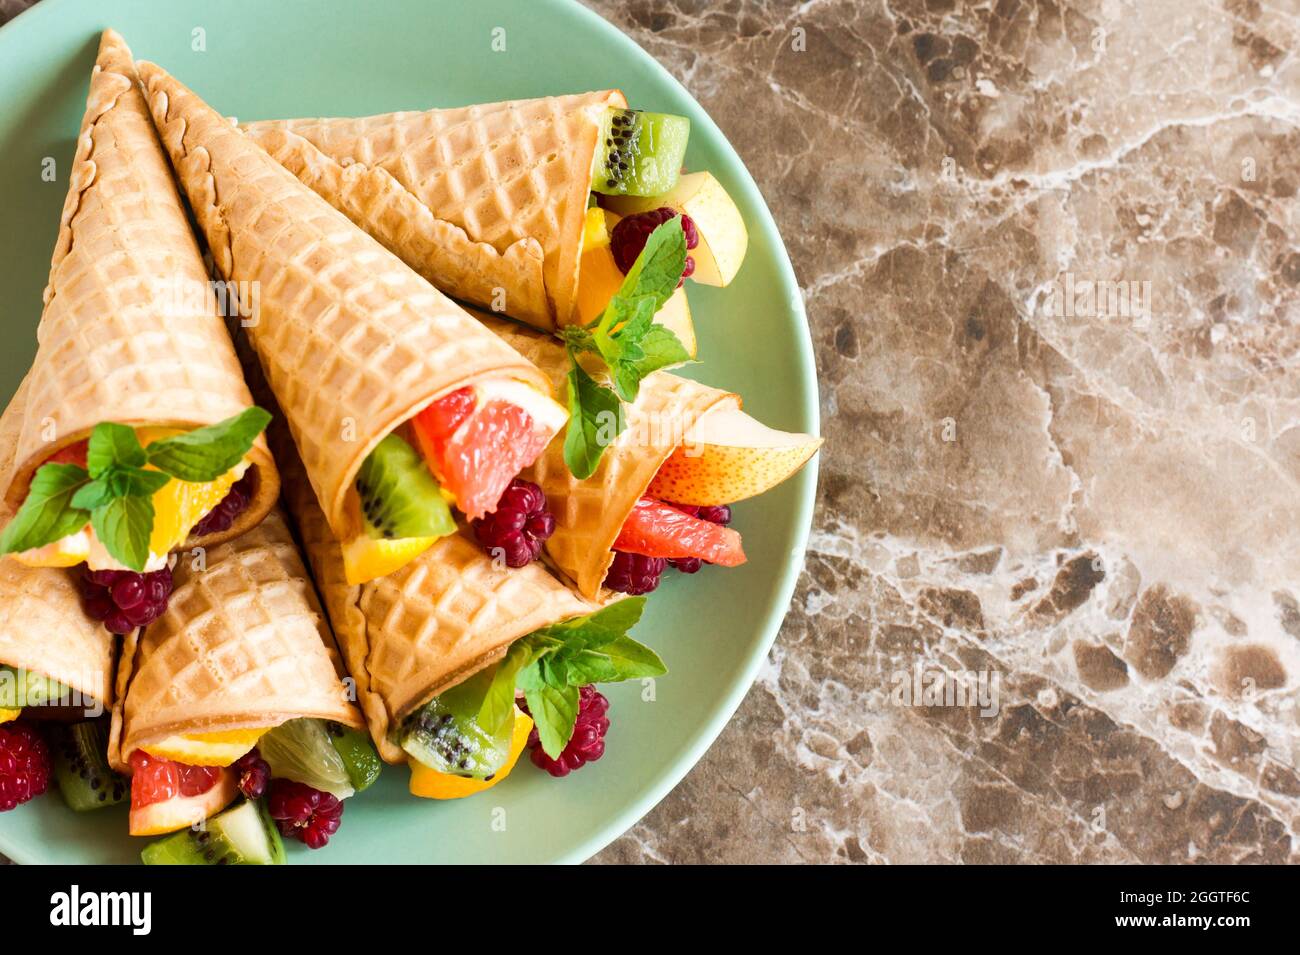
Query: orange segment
{"points": [[207, 749], [179, 505], [6, 715], [368, 558], [431, 784]]}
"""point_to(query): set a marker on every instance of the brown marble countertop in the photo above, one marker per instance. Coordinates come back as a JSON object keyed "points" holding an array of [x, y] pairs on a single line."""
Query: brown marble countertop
{"points": [[1078, 496], [1049, 255]]}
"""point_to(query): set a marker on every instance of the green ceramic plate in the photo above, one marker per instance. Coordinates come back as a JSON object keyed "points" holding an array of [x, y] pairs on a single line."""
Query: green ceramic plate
{"points": [[311, 57]]}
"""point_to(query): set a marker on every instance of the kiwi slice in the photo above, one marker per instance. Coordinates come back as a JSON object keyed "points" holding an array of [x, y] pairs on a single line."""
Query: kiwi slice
{"points": [[639, 154], [357, 752], [302, 750], [81, 765], [242, 835], [19, 688], [446, 736], [399, 497]]}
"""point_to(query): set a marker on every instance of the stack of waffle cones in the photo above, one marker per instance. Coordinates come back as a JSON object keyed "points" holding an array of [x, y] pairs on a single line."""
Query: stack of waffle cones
{"points": [[130, 331], [352, 341], [485, 201]]}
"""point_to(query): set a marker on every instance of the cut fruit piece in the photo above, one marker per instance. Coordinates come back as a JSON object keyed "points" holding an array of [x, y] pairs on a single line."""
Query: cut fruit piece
{"points": [[431, 784], [639, 153], [301, 750], [446, 736], [367, 558], [65, 552], [358, 753], [723, 237], [206, 749], [727, 456], [242, 835], [655, 529], [19, 688], [166, 796], [81, 766], [72, 454], [477, 439], [599, 278], [399, 497], [675, 315], [7, 715], [179, 505]]}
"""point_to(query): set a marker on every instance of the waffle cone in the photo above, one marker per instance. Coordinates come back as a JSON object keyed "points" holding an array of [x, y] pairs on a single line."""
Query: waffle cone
{"points": [[433, 623], [479, 200], [243, 644], [42, 625], [130, 331], [352, 341], [589, 514]]}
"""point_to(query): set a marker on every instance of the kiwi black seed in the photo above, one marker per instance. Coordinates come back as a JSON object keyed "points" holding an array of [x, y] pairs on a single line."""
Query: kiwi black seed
{"points": [[81, 765]]}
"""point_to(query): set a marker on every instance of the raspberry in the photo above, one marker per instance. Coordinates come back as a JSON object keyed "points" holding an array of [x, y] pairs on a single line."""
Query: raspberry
{"points": [[123, 599], [630, 235], [253, 774], [588, 741], [228, 508], [687, 565], [716, 514], [24, 764], [519, 526], [634, 573], [306, 814]]}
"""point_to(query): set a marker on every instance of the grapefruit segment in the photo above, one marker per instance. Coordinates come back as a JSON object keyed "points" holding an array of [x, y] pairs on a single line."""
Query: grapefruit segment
{"points": [[655, 529], [475, 440], [166, 795]]}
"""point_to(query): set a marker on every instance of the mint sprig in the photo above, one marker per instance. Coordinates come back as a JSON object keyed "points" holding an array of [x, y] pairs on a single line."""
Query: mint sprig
{"points": [[552, 664], [113, 491], [630, 344]]}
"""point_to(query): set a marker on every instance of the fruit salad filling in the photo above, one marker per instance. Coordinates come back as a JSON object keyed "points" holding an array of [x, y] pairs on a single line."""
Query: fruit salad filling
{"points": [[289, 780], [658, 535], [539, 697], [125, 497], [475, 440], [471, 443]]}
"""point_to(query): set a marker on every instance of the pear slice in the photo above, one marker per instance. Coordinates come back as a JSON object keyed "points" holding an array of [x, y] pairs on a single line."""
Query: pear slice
{"points": [[727, 456], [723, 238]]}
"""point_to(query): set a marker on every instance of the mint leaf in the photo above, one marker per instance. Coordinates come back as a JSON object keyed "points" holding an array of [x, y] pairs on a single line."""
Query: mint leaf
{"points": [[627, 660], [498, 705], [594, 630], [113, 445], [92, 495], [136, 482], [205, 454], [123, 526], [48, 513], [595, 419], [660, 348], [553, 703], [653, 275]]}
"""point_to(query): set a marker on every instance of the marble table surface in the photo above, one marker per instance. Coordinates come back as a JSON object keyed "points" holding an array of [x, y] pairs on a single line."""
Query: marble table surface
{"points": [[1051, 607]]}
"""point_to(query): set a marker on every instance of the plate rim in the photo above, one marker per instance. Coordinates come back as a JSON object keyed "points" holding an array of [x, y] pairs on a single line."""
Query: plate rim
{"points": [[703, 736]]}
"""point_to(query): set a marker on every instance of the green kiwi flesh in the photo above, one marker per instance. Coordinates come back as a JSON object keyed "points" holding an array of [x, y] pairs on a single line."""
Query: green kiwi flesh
{"points": [[399, 497], [639, 154]]}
